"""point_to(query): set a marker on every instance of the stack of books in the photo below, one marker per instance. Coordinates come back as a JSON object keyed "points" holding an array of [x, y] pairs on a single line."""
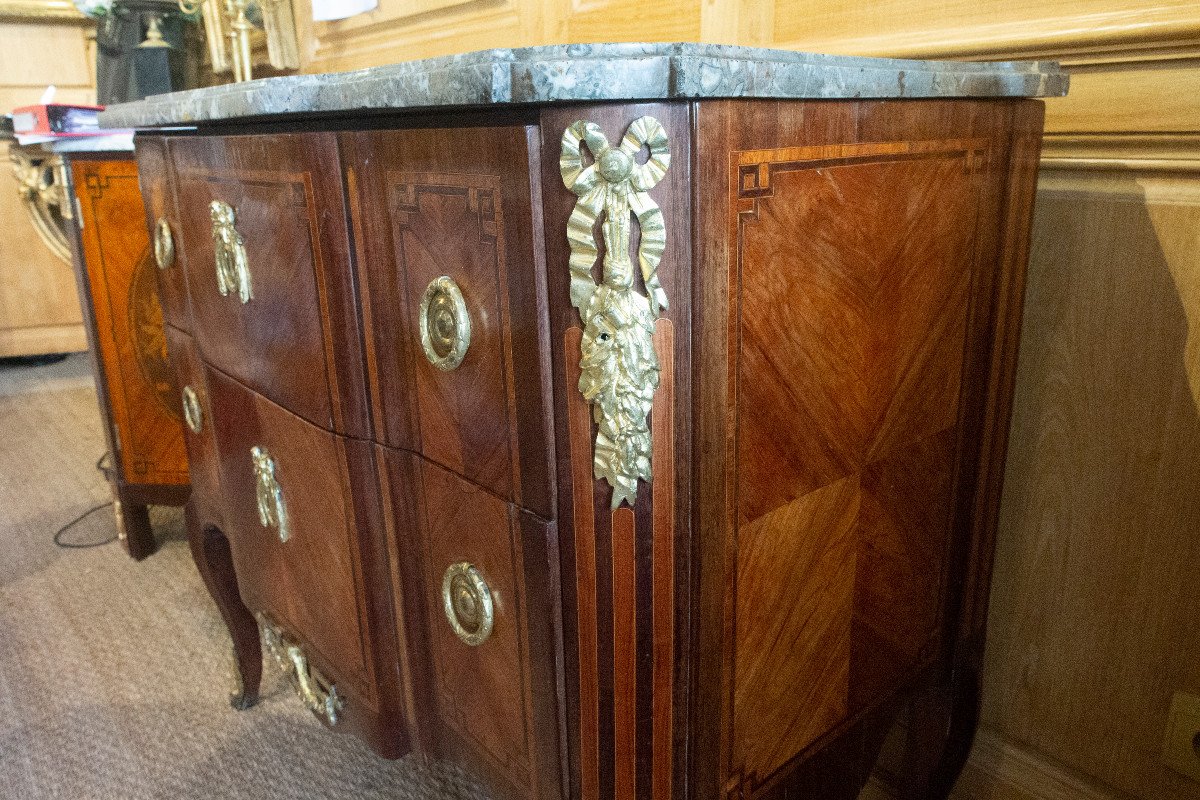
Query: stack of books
{"points": [[47, 122]]}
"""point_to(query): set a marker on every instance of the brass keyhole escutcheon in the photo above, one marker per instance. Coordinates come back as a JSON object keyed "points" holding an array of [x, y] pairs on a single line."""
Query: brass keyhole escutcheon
{"points": [[467, 601], [164, 244], [445, 324], [193, 415]]}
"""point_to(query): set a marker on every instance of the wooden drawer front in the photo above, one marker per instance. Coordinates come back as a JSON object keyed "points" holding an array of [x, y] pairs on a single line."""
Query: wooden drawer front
{"points": [[435, 203], [273, 204], [307, 583], [493, 700], [198, 420], [162, 221]]}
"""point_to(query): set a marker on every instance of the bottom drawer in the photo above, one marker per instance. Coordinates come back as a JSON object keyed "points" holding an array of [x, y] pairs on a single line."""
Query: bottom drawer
{"points": [[486, 608], [197, 415], [290, 521]]}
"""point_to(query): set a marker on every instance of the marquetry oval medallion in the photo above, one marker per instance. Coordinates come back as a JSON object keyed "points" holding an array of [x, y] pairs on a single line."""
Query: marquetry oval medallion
{"points": [[149, 341]]}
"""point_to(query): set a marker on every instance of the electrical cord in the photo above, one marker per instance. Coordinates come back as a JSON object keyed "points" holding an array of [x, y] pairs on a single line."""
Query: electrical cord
{"points": [[82, 545], [104, 470]]}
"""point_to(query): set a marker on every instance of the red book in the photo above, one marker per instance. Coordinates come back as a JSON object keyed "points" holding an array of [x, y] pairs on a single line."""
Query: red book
{"points": [[57, 119]]}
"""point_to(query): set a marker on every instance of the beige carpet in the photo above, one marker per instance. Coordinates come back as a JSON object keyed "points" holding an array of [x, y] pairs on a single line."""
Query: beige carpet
{"points": [[114, 674]]}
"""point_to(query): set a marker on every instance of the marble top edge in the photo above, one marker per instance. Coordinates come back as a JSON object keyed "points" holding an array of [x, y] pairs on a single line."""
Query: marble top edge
{"points": [[589, 73]]}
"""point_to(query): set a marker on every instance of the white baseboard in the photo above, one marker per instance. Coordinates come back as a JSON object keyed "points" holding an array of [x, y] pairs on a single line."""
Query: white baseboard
{"points": [[1001, 770]]}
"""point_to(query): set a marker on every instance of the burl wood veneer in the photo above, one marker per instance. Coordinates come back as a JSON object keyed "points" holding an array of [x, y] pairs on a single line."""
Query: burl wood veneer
{"points": [[725, 578]]}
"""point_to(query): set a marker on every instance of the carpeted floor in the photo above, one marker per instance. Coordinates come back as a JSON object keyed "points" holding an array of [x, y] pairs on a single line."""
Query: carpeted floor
{"points": [[114, 674]]}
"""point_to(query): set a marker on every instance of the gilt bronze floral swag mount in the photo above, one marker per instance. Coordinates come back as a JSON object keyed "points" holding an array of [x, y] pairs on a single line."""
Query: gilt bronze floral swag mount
{"points": [[619, 369]]}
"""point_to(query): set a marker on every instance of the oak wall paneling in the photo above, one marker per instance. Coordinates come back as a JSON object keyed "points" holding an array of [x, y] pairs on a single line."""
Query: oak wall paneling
{"points": [[39, 306], [1095, 602]]}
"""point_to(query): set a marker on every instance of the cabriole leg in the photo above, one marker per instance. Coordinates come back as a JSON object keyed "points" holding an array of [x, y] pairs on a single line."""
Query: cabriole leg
{"points": [[210, 550]]}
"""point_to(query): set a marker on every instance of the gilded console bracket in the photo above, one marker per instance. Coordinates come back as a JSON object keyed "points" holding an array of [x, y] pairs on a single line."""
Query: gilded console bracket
{"points": [[318, 693], [619, 368], [41, 183]]}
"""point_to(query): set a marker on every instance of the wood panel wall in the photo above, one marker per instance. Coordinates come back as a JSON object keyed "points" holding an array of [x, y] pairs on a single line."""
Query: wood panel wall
{"points": [[1095, 601], [39, 307]]}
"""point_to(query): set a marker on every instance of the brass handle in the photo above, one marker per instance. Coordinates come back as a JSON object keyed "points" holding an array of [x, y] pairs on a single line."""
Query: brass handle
{"points": [[229, 252], [193, 415], [445, 324], [272, 513], [164, 244], [318, 693], [467, 601]]}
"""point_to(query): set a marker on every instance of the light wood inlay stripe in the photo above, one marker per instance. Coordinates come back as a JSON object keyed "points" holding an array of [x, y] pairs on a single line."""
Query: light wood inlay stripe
{"points": [[580, 434], [624, 575], [662, 422]]}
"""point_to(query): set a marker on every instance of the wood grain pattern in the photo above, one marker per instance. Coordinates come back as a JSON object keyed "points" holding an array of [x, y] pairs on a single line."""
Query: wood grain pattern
{"points": [[625, 653], [436, 202], [454, 225], [143, 399], [327, 584], [662, 429], [157, 183], [811, 553], [39, 304], [307, 583], [851, 346], [870, 386], [587, 611], [289, 202], [480, 692], [203, 462], [795, 596], [1093, 603], [851, 342]]}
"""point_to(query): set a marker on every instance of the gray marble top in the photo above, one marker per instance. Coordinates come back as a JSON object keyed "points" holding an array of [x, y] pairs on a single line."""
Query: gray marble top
{"points": [[111, 143], [584, 73]]}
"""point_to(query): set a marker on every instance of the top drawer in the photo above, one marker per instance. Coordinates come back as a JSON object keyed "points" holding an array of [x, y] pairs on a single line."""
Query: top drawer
{"points": [[264, 245], [455, 296], [158, 196]]}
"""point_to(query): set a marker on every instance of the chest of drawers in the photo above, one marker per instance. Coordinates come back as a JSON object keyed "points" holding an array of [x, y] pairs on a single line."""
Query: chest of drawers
{"points": [[614, 448]]}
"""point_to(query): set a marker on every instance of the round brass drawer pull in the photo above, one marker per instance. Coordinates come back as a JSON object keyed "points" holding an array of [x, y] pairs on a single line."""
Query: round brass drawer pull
{"points": [[445, 324], [467, 601], [193, 415], [164, 244]]}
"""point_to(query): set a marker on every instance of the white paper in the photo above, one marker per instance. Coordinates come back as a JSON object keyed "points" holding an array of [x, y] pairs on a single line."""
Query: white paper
{"points": [[326, 10]]}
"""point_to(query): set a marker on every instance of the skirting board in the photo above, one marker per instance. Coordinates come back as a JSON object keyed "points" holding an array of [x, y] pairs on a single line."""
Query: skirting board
{"points": [[43, 340], [1000, 770]]}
